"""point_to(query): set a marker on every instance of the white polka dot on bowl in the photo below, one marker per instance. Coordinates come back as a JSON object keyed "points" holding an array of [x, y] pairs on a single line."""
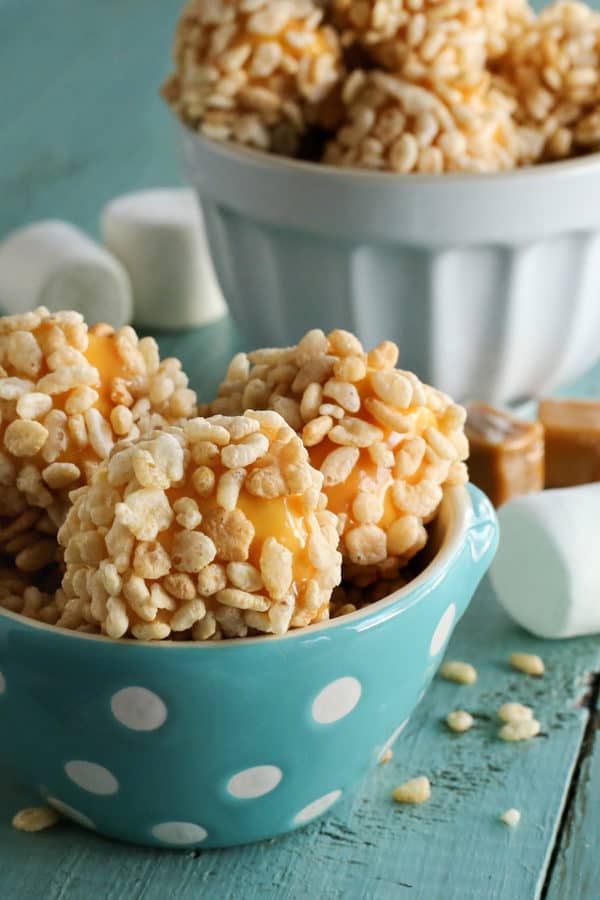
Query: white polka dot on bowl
{"points": [[254, 782], [181, 834], [336, 700], [317, 807], [442, 630], [91, 777], [65, 810], [394, 737], [139, 709], [2, 683]]}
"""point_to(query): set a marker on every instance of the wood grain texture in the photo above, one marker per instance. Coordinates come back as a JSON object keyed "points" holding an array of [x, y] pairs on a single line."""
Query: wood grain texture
{"points": [[576, 871], [81, 121]]}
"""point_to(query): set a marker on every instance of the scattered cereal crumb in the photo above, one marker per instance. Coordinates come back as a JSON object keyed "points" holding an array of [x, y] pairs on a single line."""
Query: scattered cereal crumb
{"points": [[528, 663], [35, 818], [417, 790], [462, 672], [515, 712], [511, 817], [520, 731], [386, 757], [459, 720]]}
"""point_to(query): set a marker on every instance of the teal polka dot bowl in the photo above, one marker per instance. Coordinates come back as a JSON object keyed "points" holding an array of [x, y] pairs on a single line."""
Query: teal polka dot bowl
{"points": [[211, 745]]}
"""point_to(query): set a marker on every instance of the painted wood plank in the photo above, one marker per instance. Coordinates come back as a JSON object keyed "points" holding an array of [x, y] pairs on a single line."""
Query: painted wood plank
{"points": [[85, 123], [451, 848], [576, 871], [204, 353]]}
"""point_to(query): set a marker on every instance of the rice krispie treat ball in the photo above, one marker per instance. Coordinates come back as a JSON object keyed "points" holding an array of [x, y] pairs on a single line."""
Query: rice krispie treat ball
{"points": [[553, 71], [385, 444], [426, 40], [67, 393], [207, 532], [247, 69], [393, 125], [431, 40]]}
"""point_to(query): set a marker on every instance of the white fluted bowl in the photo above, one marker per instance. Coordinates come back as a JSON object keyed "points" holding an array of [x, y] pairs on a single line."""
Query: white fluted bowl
{"points": [[490, 284]]}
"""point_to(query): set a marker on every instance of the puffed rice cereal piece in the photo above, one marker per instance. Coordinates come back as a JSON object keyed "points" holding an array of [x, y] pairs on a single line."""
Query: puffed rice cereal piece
{"points": [[253, 552], [511, 817], [386, 456], [459, 720], [552, 69], [67, 394], [528, 663], [396, 125], [523, 730], [245, 70], [514, 712], [461, 672], [35, 818], [417, 790]]}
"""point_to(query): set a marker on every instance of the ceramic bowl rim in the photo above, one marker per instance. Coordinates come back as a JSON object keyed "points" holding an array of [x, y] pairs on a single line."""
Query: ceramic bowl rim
{"points": [[458, 506], [240, 154]]}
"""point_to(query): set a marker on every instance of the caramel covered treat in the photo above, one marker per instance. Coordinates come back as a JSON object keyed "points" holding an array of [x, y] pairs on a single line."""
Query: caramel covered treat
{"points": [[214, 530], [247, 69], [553, 70], [394, 125], [572, 430], [386, 444], [506, 455], [270, 74], [67, 393], [434, 40]]}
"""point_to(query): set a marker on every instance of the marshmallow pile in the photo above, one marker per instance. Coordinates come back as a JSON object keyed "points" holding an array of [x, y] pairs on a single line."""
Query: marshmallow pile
{"points": [[154, 267]]}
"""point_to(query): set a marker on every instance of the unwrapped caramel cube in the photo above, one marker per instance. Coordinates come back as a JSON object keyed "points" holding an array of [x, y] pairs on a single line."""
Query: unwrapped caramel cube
{"points": [[572, 430], [506, 454]]}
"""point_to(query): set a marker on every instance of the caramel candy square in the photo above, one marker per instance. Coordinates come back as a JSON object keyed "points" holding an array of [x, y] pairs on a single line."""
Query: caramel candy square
{"points": [[507, 454], [572, 429]]}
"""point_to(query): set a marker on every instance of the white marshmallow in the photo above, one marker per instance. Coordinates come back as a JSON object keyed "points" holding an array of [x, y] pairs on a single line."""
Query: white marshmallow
{"points": [[159, 237], [54, 264], [547, 569]]}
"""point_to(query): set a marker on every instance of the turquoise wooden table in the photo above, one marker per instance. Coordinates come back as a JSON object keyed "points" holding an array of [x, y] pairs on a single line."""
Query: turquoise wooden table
{"points": [[81, 122]]}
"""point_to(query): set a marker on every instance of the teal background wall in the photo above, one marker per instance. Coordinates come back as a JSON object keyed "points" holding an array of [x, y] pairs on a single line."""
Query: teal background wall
{"points": [[80, 117]]}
